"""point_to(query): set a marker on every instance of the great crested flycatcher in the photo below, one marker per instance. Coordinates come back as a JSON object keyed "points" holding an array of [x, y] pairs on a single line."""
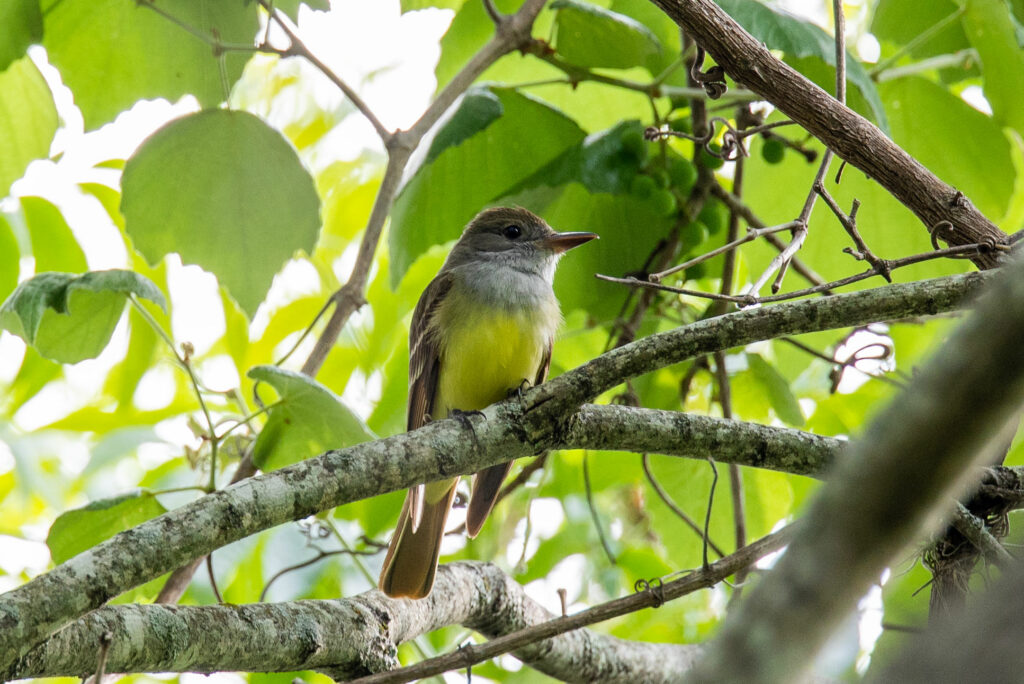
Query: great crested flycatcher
{"points": [[483, 326]]}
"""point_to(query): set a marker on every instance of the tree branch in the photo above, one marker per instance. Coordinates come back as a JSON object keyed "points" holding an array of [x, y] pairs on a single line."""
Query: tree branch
{"points": [[358, 636], [849, 135], [508, 430]]}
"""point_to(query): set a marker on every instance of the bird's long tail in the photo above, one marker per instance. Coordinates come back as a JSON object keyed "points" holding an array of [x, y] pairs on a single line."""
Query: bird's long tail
{"points": [[411, 562]]}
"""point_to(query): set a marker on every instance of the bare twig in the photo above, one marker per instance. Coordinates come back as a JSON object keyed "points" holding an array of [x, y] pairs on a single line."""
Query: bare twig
{"points": [[674, 507], [593, 510]]}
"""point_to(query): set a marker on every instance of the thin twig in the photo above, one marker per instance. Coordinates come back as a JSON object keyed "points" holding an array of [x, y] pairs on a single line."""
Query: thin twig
{"points": [[752, 220], [752, 234], [748, 300], [674, 507], [593, 510], [297, 48], [213, 578]]}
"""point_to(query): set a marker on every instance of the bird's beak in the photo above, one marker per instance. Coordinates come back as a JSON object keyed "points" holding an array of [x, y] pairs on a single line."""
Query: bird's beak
{"points": [[563, 242]]}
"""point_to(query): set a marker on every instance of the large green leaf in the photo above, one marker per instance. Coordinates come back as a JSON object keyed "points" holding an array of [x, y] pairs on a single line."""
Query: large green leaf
{"points": [[629, 228], [936, 126], [782, 31], [68, 317], [9, 255], [590, 36], [442, 196], [990, 28], [28, 120], [901, 21], [114, 52], [226, 192], [307, 420], [21, 24], [54, 246], [83, 528]]}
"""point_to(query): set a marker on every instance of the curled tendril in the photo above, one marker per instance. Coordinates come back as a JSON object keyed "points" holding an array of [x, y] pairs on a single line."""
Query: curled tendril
{"points": [[654, 587], [872, 351], [712, 80], [731, 149]]}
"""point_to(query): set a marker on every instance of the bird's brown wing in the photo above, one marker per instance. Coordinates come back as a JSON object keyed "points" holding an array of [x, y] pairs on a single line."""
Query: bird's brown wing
{"points": [[424, 370], [411, 560], [487, 482]]}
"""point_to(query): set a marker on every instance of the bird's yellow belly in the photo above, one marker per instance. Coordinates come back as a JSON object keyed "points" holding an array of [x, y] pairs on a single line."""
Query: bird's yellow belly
{"points": [[481, 363]]}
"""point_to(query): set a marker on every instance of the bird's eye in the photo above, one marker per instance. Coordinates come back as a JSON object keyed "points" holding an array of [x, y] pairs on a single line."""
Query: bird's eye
{"points": [[512, 232]]}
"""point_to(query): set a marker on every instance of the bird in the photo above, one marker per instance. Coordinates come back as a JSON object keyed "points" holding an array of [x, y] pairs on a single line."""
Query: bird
{"points": [[483, 328]]}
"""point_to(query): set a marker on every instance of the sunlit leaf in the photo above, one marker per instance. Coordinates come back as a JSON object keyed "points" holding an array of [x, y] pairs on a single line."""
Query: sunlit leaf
{"points": [[991, 29], [306, 420], [53, 244], [114, 52], [28, 120], [226, 192], [83, 528], [776, 389], [21, 24], [590, 36], [9, 255], [70, 318]]}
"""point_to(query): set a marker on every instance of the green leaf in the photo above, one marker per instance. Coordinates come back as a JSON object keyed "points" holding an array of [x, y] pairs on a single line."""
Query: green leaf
{"points": [[606, 161], [83, 528], [478, 110], [777, 390], [901, 21], [935, 126], [70, 318], [9, 256], [798, 38], [21, 24], [437, 201], [226, 192], [112, 53], [990, 28], [620, 250], [28, 120], [590, 36], [291, 7], [413, 5], [307, 420], [54, 246]]}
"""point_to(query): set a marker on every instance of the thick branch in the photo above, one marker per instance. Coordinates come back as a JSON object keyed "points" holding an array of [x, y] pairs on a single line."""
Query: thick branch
{"points": [[866, 514], [508, 430], [624, 428], [346, 637], [849, 135], [359, 635]]}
